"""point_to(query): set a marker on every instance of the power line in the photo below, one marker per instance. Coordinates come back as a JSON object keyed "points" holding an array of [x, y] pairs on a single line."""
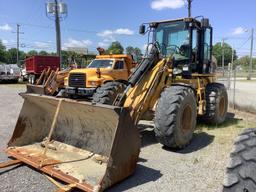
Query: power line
{"points": [[243, 44], [52, 28]]}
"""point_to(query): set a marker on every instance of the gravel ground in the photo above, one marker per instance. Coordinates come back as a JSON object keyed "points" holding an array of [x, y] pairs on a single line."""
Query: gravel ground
{"points": [[197, 168]]}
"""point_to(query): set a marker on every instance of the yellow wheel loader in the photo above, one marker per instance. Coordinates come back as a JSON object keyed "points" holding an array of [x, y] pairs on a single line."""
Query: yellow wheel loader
{"points": [[92, 146]]}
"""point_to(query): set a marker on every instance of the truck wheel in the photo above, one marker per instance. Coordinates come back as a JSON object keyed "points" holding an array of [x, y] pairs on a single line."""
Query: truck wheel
{"points": [[175, 116], [241, 171], [216, 103], [107, 93]]}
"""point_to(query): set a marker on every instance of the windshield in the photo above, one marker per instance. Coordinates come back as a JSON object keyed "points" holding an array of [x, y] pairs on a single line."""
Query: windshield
{"points": [[173, 39], [100, 63]]}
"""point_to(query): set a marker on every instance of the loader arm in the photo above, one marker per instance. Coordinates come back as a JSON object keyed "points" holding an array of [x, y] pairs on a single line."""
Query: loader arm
{"points": [[144, 93], [143, 96]]}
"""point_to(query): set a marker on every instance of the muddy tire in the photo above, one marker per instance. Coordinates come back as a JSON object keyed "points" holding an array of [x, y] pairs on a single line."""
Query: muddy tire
{"points": [[241, 172], [175, 116], [216, 103], [107, 93]]}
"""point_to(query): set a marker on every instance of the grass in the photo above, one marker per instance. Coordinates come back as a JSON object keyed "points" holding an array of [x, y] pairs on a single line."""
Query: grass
{"points": [[237, 120]]}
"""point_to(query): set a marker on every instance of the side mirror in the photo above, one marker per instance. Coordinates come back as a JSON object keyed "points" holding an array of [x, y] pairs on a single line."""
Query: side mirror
{"points": [[142, 29]]}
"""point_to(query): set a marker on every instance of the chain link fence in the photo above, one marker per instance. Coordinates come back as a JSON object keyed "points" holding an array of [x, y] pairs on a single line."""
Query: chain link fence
{"points": [[241, 91]]}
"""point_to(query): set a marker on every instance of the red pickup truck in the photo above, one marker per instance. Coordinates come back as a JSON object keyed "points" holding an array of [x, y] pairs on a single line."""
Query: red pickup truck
{"points": [[36, 64]]}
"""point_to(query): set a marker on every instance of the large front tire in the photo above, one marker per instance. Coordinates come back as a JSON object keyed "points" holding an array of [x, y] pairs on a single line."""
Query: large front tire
{"points": [[241, 172], [107, 93], [175, 117], [216, 103]]}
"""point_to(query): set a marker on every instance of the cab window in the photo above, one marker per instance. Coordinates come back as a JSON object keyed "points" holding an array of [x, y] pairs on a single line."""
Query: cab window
{"points": [[119, 65], [194, 45], [207, 44]]}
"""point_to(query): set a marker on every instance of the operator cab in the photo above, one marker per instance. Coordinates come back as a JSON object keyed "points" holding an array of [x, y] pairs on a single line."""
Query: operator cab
{"points": [[187, 40]]}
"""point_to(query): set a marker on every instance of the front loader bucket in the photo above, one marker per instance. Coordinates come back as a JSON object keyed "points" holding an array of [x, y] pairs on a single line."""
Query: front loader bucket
{"points": [[92, 146], [38, 89]]}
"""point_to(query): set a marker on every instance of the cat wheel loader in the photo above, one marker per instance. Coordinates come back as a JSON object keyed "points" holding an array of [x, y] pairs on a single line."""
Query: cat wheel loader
{"points": [[93, 145]]}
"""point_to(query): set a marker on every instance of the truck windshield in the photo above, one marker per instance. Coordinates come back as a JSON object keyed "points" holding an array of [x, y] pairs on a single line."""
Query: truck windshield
{"points": [[173, 39], [100, 63]]}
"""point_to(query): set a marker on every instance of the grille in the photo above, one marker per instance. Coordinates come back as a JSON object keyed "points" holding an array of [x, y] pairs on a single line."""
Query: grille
{"points": [[76, 80]]}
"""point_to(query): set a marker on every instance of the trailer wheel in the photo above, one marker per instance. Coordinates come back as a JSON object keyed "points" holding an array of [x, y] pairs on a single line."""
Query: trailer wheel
{"points": [[31, 79], [175, 116], [107, 93], [216, 103], [241, 171]]}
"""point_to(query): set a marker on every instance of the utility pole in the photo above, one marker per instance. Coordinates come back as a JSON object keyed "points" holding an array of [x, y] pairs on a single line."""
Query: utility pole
{"points": [[57, 27], [230, 68], [232, 56], [18, 42], [189, 7], [251, 51], [57, 11], [223, 57]]}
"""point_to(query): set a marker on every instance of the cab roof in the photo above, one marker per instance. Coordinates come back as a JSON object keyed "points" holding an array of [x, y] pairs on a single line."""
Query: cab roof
{"points": [[114, 56], [186, 19]]}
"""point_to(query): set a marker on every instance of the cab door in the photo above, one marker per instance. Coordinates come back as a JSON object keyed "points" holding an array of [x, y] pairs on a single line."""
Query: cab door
{"points": [[120, 70], [207, 50]]}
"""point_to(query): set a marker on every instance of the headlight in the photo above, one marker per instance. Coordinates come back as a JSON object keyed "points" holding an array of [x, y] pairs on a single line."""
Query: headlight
{"points": [[185, 68], [66, 82], [177, 71], [92, 83]]}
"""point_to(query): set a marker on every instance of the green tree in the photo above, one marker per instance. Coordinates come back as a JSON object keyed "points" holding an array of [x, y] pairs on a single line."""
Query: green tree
{"points": [[22, 55], [135, 52], [245, 61], [217, 52], [11, 55], [32, 53], [115, 48], [43, 53], [129, 50], [2, 52], [64, 58]]}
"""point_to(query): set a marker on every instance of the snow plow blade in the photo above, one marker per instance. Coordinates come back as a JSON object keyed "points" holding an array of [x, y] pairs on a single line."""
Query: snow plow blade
{"points": [[91, 147]]}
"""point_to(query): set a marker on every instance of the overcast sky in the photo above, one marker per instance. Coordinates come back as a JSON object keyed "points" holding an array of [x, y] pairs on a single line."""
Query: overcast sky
{"points": [[92, 23]]}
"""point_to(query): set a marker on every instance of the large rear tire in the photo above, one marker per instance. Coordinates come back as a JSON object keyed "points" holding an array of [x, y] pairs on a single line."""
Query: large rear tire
{"points": [[241, 171], [216, 103], [107, 93], [175, 117]]}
